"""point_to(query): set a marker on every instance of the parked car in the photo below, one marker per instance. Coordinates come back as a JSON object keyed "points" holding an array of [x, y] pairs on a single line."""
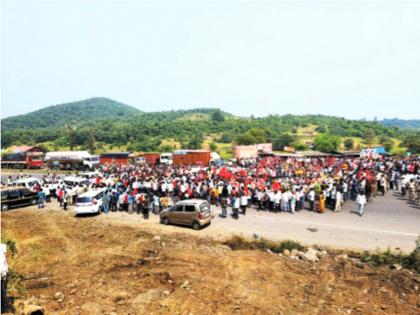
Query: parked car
{"points": [[14, 197], [192, 212], [89, 202], [75, 181], [28, 182]]}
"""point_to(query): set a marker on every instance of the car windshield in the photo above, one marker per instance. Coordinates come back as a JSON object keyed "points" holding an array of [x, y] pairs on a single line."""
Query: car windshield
{"points": [[84, 199]]}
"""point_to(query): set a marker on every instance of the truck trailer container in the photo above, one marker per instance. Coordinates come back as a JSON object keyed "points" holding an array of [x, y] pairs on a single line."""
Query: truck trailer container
{"points": [[191, 157]]}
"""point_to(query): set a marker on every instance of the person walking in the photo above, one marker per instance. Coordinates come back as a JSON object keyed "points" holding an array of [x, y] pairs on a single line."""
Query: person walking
{"points": [[321, 202], [338, 201], [244, 203], [361, 202], [224, 204], [235, 207], [105, 202], [311, 197]]}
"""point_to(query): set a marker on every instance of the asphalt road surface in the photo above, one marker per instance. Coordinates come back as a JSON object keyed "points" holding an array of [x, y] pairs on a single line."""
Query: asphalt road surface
{"points": [[388, 222]]}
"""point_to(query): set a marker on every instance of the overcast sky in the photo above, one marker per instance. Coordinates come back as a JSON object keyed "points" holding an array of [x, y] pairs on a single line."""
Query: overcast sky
{"points": [[350, 59]]}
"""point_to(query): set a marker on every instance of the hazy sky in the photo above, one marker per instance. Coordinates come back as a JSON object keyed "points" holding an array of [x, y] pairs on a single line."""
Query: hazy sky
{"points": [[352, 59]]}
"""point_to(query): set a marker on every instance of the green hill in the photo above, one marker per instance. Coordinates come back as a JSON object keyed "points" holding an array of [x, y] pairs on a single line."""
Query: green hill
{"points": [[116, 126], [401, 123], [78, 112]]}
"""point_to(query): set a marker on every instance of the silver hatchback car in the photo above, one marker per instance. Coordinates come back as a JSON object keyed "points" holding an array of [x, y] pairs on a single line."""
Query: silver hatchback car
{"points": [[191, 212]]}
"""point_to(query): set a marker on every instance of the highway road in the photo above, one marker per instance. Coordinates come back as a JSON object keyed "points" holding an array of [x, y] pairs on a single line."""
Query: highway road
{"points": [[388, 222]]}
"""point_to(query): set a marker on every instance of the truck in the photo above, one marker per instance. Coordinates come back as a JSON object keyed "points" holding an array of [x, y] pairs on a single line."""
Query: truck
{"points": [[192, 157], [166, 158], [23, 160], [72, 160]]}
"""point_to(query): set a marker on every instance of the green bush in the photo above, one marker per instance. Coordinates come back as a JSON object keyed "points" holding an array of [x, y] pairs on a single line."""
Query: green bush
{"points": [[238, 242]]}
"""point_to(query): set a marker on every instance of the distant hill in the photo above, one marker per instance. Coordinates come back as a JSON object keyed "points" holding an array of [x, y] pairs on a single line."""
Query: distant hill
{"points": [[78, 112], [401, 123], [117, 126]]}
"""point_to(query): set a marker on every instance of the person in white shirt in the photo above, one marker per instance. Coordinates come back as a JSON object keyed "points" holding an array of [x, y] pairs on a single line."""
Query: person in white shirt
{"points": [[244, 203], [361, 202], [338, 201]]}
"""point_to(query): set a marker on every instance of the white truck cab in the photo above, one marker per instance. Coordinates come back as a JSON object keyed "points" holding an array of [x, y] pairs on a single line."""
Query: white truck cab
{"points": [[166, 158]]}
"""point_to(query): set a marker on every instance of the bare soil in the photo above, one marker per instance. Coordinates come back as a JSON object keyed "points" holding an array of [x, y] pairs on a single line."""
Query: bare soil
{"points": [[88, 266]]}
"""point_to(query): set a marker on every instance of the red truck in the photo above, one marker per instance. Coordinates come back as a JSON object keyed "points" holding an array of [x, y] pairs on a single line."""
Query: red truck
{"points": [[24, 157], [192, 157]]}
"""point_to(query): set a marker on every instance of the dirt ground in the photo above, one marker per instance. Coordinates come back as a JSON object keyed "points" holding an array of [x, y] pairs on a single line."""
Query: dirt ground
{"points": [[88, 266]]}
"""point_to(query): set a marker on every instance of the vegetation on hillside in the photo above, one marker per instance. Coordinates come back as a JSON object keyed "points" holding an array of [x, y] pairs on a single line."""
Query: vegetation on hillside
{"points": [[101, 124]]}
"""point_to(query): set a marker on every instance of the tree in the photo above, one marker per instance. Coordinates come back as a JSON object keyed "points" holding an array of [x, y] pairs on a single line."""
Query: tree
{"points": [[349, 144], [71, 133], [91, 142], [282, 141], [369, 135], [326, 143], [217, 116], [252, 136], [412, 142], [388, 145], [213, 146]]}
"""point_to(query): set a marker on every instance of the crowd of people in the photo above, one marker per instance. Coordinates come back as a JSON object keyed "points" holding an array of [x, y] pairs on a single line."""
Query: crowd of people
{"points": [[268, 184]]}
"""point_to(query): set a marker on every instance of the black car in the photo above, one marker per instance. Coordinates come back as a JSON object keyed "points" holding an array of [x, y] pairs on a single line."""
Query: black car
{"points": [[14, 197]]}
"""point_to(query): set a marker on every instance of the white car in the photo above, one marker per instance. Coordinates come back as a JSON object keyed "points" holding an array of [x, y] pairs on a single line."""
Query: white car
{"points": [[75, 181], [91, 176], [89, 202], [28, 182]]}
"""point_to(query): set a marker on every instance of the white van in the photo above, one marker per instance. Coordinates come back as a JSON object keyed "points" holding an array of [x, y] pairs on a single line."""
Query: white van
{"points": [[91, 176], [89, 202], [166, 158], [28, 182]]}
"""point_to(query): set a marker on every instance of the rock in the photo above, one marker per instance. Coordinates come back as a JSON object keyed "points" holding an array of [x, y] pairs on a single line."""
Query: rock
{"points": [[33, 309], [185, 285], [311, 255], [397, 267], [59, 297], [156, 238], [73, 291], [166, 292], [286, 252], [294, 252], [324, 253], [269, 251]]}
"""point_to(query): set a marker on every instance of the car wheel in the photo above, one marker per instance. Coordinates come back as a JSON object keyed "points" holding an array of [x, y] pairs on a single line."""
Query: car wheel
{"points": [[4, 207], [165, 221], [196, 226]]}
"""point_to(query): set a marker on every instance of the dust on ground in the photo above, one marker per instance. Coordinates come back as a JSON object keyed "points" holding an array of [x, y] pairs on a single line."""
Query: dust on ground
{"points": [[87, 266]]}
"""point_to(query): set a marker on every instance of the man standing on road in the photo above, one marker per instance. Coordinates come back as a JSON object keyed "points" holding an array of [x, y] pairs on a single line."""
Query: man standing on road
{"points": [[311, 197], [361, 201]]}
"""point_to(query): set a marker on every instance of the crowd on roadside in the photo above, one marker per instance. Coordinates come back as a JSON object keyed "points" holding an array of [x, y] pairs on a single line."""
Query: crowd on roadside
{"points": [[268, 184]]}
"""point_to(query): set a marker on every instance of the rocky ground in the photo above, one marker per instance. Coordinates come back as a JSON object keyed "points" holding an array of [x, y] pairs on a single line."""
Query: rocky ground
{"points": [[70, 265]]}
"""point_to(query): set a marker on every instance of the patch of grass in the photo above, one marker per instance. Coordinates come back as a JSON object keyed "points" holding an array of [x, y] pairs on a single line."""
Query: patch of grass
{"points": [[387, 258], [10, 244], [238, 242], [15, 286]]}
